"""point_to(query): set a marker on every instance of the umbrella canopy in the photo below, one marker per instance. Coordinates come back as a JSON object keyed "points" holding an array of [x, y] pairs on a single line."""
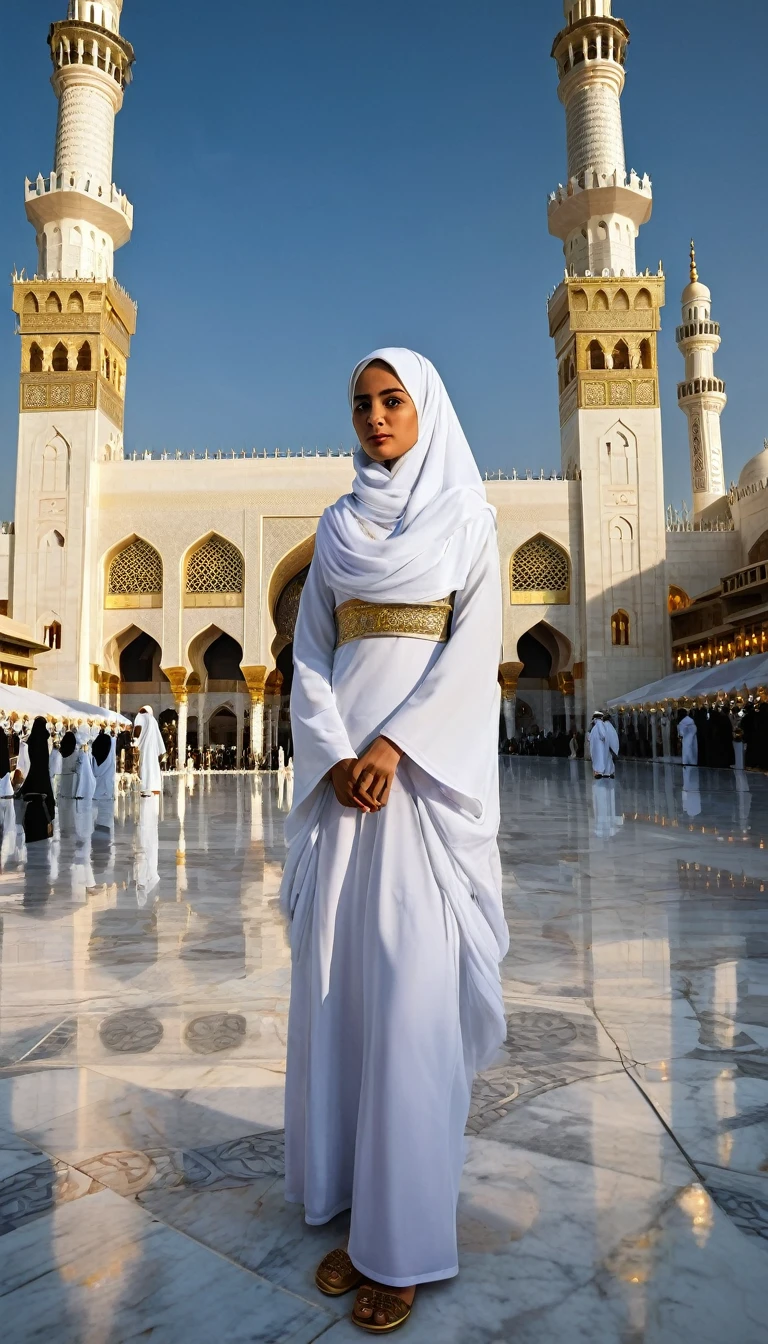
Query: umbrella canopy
{"points": [[29, 704], [750, 674], [83, 710]]}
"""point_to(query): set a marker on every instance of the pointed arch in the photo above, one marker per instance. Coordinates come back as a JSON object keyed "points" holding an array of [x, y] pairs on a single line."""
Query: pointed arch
{"points": [[214, 574], [621, 359], [643, 299], [60, 358], [53, 303], [540, 573], [622, 538], [75, 302], [600, 302], [678, 599], [554, 655], [52, 541], [30, 303], [84, 358], [580, 301], [35, 358], [646, 354], [595, 355], [134, 577], [197, 648], [55, 466], [621, 301]]}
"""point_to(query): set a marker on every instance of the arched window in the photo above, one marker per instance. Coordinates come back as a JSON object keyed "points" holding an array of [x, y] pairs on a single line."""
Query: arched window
{"points": [[30, 304], [60, 361], [53, 303], [602, 231], [84, 358], [579, 301], [215, 575], [622, 546], [596, 355], [135, 577], [621, 355], [620, 629], [600, 302], [35, 358], [540, 572], [678, 599], [52, 635], [107, 366], [646, 355], [621, 301], [644, 299], [75, 303]]}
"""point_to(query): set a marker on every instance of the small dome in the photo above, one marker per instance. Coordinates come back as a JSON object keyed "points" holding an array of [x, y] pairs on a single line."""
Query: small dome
{"points": [[756, 469], [696, 292]]}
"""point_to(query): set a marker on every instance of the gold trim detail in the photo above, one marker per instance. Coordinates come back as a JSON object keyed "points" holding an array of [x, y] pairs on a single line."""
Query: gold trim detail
{"points": [[132, 601], [373, 620]]}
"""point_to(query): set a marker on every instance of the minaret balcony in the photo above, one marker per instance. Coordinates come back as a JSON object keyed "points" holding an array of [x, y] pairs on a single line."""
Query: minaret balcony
{"points": [[692, 330], [71, 196], [701, 387], [598, 195], [88, 44]]}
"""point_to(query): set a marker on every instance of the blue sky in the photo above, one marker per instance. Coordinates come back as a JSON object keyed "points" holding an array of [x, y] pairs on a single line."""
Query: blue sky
{"points": [[313, 180]]}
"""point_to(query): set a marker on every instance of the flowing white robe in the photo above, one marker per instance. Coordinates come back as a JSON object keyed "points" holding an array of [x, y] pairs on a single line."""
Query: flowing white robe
{"points": [[6, 786], [105, 774], [397, 924], [84, 781], [690, 740], [151, 748], [68, 775], [22, 760], [603, 746]]}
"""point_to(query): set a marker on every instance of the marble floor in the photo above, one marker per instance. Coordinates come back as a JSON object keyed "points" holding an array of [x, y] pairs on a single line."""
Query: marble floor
{"points": [[616, 1184]]}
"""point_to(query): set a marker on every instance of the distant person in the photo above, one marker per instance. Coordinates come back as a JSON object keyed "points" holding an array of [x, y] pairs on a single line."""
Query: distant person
{"points": [[689, 738], [103, 764], [573, 751], [37, 790], [68, 774], [603, 746], [6, 783]]}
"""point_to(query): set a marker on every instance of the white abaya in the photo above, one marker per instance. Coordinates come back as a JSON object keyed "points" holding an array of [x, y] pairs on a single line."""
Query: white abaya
{"points": [[84, 782], [151, 748], [397, 925], [68, 775], [104, 774], [603, 747], [6, 786], [690, 740]]}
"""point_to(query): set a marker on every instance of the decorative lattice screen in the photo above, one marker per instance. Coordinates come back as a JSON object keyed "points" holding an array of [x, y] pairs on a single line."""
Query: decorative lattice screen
{"points": [[540, 566], [137, 569], [217, 567], [287, 610]]}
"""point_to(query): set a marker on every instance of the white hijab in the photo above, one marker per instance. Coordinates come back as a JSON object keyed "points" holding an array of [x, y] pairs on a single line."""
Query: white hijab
{"points": [[150, 739], [424, 504]]}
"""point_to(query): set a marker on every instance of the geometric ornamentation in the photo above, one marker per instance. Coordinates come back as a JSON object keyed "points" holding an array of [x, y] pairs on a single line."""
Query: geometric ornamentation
{"points": [[594, 394], [215, 567], [621, 394], [137, 569], [287, 609], [645, 394], [540, 573]]}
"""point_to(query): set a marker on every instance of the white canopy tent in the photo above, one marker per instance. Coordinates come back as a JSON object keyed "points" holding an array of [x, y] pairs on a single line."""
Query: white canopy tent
{"points": [[740, 676], [21, 703], [83, 710]]}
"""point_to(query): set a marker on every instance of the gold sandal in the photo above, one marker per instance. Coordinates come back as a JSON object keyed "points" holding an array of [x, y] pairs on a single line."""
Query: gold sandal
{"points": [[339, 1263], [389, 1305]]}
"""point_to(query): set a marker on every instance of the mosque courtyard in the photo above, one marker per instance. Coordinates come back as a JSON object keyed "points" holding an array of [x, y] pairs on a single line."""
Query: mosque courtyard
{"points": [[616, 1185]]}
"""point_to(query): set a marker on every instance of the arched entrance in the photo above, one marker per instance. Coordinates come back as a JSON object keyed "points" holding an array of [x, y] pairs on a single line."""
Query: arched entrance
{"points": [[142, 680], [544, 652], [285, 591], [222, 728]]}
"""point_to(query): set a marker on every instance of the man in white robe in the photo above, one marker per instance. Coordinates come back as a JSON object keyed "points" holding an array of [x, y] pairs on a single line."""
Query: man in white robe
{"points": [[689, 738], [151, 748], [603, 746]]}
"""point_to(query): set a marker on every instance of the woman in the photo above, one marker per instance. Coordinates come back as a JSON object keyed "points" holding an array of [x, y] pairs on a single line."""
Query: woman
{"points": [[68, 774], [6, 783], [37, 790], [103, 755], [603, 746], [392, 879], [689, 736]]}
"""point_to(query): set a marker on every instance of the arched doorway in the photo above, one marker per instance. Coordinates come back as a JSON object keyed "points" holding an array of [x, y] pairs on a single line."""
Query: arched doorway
{"points": [[285, 611], [222, 661], [544, 652], [142, 680], [222, 728]]}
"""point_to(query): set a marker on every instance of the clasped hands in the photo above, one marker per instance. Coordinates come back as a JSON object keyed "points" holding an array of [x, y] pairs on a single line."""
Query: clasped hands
{"points": [[365, 782]]}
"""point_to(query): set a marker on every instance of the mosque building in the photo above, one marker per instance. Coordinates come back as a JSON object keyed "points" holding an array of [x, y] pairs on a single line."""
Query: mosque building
{"points": [[175, 579]]}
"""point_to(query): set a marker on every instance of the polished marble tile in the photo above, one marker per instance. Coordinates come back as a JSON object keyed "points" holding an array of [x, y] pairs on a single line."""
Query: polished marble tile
{"points": [[142, 1056]]}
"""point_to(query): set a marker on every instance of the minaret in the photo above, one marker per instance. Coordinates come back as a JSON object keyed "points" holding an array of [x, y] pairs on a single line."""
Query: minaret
{"points": [[604, 318], [701, 395], [76, 325]]}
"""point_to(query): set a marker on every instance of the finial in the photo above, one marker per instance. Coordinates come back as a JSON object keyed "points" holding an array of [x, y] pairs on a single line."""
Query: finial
{"points": [[694, 272]]}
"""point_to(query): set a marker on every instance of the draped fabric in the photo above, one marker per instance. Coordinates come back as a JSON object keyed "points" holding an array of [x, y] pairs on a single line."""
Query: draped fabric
{"points": [[397, 926], [423, 505], [603, 747], [102, 745], [103, 763], [151, 748], [68, 745], [6, 786], [37, 789], [690, 740]]}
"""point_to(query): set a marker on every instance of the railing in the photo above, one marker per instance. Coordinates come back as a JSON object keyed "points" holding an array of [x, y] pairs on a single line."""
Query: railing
{"points": [[528, 475], [697, 329], [86, 184], [231, 455], [590, 180], [699, 386], [681, 520], [751, 576]]}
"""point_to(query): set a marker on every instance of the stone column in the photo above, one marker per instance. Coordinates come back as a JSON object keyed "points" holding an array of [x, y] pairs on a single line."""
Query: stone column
{"points": [[177, 676], [509, 675], [566, 684], [579, 696], [255, 680]]}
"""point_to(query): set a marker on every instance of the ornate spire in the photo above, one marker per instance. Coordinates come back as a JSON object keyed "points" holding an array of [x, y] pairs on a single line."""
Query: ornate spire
{"points": [[694, 272]]}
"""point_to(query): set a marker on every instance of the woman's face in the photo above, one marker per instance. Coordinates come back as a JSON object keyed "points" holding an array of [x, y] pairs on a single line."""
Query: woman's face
{"points": [[385, 419]]}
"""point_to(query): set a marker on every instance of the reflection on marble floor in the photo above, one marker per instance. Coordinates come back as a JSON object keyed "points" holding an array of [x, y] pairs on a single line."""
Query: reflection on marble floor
{"points": [[616, 1186]]}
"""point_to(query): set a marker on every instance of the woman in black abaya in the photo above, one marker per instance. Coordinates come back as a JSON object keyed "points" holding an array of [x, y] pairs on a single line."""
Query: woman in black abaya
{"points": [[37, 790]]}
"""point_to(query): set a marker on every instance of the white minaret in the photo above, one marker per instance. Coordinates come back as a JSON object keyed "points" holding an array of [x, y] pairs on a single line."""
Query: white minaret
{"points": [[600, 210], [79, 215], [701, 395], [604, 319], [76, 324]]}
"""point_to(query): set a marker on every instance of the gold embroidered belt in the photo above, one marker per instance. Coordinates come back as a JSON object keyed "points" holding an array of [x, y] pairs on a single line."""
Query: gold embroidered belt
{"points": [[372, 620]]}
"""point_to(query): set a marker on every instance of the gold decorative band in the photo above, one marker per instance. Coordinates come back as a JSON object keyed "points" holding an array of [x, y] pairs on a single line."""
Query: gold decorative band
{"points": [[372, 620]]}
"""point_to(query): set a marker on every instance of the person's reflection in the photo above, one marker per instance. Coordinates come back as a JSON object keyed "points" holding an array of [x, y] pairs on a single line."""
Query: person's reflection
{"points": [[744, 798], [691, 791], [103, 843], [82, 873], [147, 845], [9, 843], [607, 823]]}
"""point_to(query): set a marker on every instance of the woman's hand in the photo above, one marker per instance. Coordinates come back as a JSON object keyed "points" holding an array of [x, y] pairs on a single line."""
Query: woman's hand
{"points": [[340, 776], [373, 774]]}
